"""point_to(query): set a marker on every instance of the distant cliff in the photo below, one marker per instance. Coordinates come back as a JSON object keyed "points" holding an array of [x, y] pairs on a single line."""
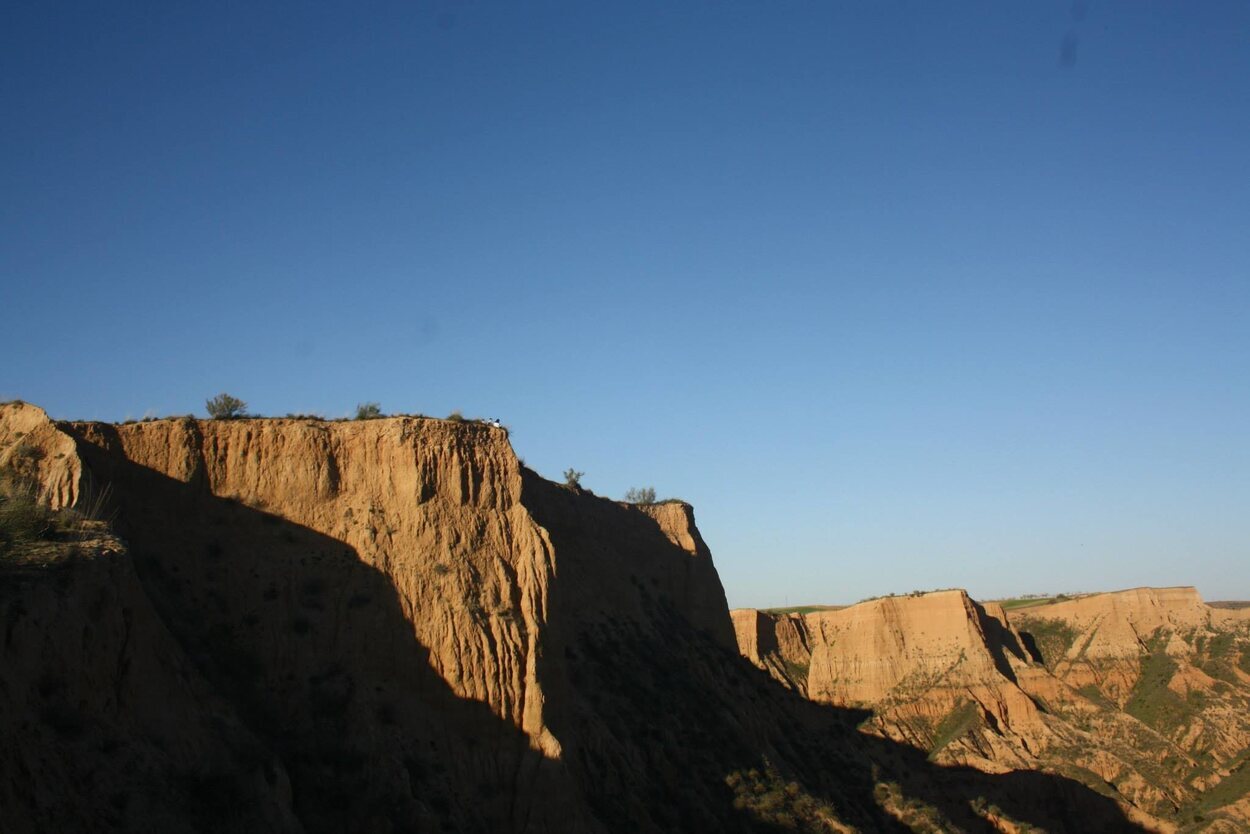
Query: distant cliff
{"points": [[1143, 693]]}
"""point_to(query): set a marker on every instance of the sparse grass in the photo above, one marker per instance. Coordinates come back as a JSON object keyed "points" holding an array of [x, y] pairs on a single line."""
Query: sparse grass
{"points": [[776, 802], [1151, 702], [1230, 789], [802, 609], [32, 534], [1017, 603], [1217, 654], [1093, 693], [1034, 600], [22, 519], [956, 724], [797, 671], [1052, 638]]}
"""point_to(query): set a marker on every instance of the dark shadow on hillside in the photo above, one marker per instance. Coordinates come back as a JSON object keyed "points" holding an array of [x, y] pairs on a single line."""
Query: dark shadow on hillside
{"points": [[1030, 646], [658, 719], [1000, 640], [311, 647]]}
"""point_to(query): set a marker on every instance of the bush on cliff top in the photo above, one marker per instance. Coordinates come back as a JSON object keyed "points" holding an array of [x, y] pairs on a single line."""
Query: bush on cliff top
{"points": [[225, 407], [640, 495]]}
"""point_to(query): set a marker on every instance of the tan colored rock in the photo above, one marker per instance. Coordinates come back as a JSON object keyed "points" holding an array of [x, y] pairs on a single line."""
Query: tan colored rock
{"points": [[393, 625], [33, 446], [948, 675]]}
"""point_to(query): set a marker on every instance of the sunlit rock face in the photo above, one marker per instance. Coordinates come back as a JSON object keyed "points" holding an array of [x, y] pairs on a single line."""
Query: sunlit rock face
{"points": [[1144, 690]]}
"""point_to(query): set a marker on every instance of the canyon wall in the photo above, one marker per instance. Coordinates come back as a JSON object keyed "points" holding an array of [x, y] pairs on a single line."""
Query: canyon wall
{"points": [[1142, 692], [393, 625]]}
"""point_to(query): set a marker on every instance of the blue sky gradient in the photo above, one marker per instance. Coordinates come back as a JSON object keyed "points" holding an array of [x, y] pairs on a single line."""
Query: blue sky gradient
{"points": [[900, 295]]}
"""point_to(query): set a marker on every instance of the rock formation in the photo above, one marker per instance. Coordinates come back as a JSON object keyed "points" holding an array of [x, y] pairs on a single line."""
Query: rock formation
{"points": [[1142, 693], [393, 625]]}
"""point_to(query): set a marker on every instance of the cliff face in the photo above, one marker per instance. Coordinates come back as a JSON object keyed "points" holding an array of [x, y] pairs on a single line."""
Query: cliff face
{"points": [[392, 625], [1142, 691], [1110, 634], [411, 529], [924, 664], [1166, 661], [376, 596], [105, 724]]}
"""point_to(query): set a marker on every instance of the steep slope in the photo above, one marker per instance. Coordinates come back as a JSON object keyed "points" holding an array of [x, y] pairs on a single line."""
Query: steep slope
{"points": [[1175, 665], [105, 724], [408, 630], [939, 671], [1141, 694]]}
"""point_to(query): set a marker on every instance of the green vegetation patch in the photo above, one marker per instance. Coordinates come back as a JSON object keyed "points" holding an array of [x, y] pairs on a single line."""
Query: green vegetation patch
{"points": [[32, 534], [1217, 654], [1052, 638], [1093, 693], [1230, 789], [802, 609], [773, 800], [1016, 603], [957, 723], [1151, 702]]}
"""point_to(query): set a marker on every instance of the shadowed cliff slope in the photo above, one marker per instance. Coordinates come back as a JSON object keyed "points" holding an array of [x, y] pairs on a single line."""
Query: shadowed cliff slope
{"points": [[392, 625]]}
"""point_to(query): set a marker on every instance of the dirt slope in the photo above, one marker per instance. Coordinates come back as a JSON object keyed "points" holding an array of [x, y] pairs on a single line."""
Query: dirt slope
{"points": [[392, 625], [1176, 666]]}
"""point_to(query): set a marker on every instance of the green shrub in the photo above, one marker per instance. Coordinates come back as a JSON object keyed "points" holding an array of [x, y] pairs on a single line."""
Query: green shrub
{"points": [[573, 478], [225, 407], [368, 411], [22, 518], [640, 495], [456, 416]]}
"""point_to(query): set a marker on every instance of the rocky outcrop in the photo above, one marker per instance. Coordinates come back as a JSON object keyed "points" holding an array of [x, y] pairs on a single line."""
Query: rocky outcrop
{"points": [[1102, 639], [776, 643], [938, 669], [1142, 691], [1164, 659]]}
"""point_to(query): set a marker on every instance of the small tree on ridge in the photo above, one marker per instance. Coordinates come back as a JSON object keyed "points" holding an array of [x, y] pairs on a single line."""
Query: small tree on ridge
{"points": [[640, 495], [225, 407]]}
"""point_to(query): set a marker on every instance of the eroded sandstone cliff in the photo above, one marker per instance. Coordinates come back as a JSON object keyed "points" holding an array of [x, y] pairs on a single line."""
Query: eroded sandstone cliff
{"points": [[392, 625], [1142, 693]]}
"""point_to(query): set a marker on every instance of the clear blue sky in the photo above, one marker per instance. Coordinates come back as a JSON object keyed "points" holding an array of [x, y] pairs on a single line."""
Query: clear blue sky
{"points": [[899, 294]]}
